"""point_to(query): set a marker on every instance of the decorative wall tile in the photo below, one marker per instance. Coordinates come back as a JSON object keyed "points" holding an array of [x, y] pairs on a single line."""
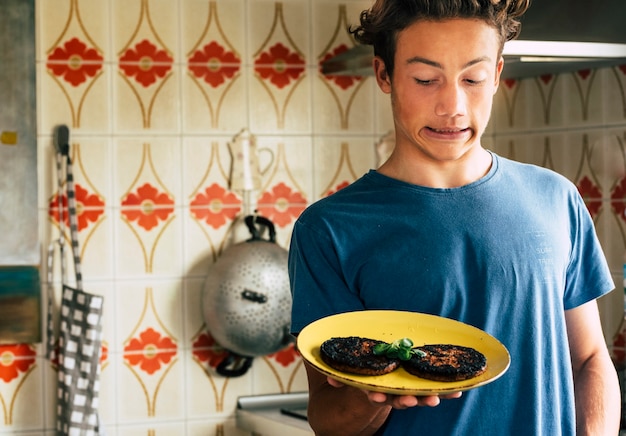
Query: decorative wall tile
{"points": [[90, 163], [279, 88], [214, 85], [281, 372], [286, 183], [148, 192], [340, 102], [350, 160], [74, 80], [525, 104], [585, 105], [146, 44], [614, 94], [147, 100], [210, 206], [20, 383], [110, 364], [209, 393], [67, 103], [149, 324]]}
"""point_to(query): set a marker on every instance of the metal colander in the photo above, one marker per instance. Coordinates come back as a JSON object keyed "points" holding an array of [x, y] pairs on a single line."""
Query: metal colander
{"points": [[246, 298]]}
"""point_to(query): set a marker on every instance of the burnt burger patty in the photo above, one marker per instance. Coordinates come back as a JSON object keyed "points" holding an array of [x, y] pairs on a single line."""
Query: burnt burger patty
{"points": [[446, 362], [355, 355]]}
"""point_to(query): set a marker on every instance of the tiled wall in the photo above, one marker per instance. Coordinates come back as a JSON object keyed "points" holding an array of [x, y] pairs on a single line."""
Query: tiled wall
{"points": [[152, 91]]}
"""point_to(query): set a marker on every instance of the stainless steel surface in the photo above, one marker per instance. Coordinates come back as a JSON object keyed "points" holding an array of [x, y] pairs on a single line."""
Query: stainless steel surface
{"points": [[557, 36], [261, 414]]}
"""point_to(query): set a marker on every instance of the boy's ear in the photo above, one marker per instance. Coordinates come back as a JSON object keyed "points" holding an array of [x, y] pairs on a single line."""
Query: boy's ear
{"points": [[499, 67], [382, 77]]}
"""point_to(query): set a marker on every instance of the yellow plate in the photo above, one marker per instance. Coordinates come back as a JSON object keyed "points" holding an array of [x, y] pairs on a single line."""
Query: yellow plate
{"points": [[389, 325]]}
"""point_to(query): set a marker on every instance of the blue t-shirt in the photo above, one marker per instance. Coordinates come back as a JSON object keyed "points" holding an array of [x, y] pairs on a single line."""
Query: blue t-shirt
{"points": [[508, 254]]}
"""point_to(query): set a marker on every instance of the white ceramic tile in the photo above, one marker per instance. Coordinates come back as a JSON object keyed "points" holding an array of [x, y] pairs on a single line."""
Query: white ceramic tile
{"points": [[614, 94], [206, 109], [217, 98], [23, 394], [58, 21], [529, 106], [109, 385], [83, 107], [340, 110], [271, 376], [212, 395], [149, 245], [136, 20], [287, 180], [281, 101], [143, 106], [341, 160], [150, 314]]}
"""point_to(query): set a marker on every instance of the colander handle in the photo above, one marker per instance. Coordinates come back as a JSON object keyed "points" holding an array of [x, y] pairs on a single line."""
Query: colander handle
{"points": [[254, 296], [234, 365], [250, 220]]}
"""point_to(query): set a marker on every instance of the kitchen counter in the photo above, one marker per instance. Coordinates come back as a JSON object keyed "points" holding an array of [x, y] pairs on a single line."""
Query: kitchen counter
{"points": [[274, 414]]}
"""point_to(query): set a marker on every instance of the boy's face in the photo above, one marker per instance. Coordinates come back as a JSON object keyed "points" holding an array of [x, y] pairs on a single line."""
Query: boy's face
{"points": [[445, 76]]}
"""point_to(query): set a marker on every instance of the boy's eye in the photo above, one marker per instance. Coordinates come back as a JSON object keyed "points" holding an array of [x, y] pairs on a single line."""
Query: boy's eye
{"points": [[423, 82]]}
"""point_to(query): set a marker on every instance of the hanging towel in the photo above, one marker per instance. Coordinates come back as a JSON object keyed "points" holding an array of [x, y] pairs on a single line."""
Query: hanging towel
{"points": [[78, 343]]}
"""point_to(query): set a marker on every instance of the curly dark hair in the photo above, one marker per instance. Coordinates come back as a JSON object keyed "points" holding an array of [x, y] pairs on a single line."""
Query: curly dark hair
{"points": [[381, 23]]}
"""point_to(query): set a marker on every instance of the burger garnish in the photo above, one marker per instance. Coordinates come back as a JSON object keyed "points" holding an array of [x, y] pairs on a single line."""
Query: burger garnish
{"points": [[400, 348]]}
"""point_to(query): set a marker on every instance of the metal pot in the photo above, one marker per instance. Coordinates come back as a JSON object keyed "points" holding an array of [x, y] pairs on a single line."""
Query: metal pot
{"points": [[246, 298]]}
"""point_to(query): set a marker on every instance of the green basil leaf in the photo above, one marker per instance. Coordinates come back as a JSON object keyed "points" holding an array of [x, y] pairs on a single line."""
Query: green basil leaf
{"points": [[418, 353], [406, 343], [404, 354], [381, 348]]}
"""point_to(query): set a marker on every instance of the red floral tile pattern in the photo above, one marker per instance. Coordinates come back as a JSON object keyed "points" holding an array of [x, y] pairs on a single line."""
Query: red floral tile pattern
{"points": [[281, 205], [344, 82], [215, 206], [279, 65], [591, 194], [510, 83], [74, 62], [214, 64], [286, 356], [150, 351], [15, 359], [618, 199], [206, 350], [546, 78], [148, 206], [89, 208], [145, 63], [104, 353]]}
